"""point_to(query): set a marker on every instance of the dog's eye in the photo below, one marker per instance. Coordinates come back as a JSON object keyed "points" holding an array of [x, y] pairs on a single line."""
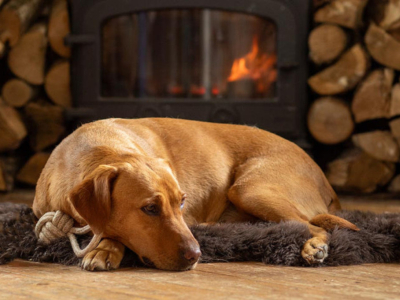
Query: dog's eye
{"points": [[183, 201], [151, 210]]}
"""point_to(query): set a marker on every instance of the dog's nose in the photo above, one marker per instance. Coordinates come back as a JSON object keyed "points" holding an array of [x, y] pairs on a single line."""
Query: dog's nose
{"points": [[192, 254]]}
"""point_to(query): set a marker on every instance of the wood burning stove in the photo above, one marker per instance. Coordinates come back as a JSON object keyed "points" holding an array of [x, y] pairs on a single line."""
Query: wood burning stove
{"points": [[233, 61]]}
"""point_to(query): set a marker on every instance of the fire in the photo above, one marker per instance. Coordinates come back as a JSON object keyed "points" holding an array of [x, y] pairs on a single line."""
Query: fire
{"points": [[256, 66]]}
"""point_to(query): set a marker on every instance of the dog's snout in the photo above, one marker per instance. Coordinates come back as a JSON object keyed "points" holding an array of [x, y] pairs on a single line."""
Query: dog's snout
{"points": [[192, 254]]}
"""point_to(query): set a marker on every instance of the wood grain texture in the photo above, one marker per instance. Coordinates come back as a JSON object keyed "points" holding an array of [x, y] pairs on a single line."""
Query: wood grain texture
{"points": [[27, 280], [347, 13], [379, 144], [28, 58], [326, 42], [372, 98], [329, 120], [342, 76], [383, 48]]}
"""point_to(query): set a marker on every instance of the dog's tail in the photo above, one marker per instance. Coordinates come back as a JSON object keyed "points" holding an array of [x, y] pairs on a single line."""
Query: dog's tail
{"points": [[329, 222]]}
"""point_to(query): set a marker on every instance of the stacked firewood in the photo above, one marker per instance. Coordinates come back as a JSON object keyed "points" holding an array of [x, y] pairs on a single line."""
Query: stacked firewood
{"points": [[35, 89], [355, 50]]}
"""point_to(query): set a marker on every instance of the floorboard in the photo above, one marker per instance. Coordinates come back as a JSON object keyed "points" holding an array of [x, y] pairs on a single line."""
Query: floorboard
{"points": [[29, 280]]}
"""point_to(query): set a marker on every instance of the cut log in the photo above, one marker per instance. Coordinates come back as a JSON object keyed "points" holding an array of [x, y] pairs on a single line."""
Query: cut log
{"points": [[2, 2], [394, 186], [59, 28], [318, 3], [329, 120], [57, 84], [46, 125], [383, 47], [395, 112], [358, 172], [3, 184], [379, 144], [390, 14], [27, 59], [12, 129], [326, 43], [395, 101], [372, 98], [17, 92], [343, 75], [30, 172], [395, 129], [2, 49], [16, 17], [395, 32], [375, 10], [9, 166], [347, 13]]}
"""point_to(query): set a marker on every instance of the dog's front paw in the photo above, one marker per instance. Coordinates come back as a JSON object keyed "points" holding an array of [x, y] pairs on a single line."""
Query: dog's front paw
{"points": [[107, 256], [315, 251]]}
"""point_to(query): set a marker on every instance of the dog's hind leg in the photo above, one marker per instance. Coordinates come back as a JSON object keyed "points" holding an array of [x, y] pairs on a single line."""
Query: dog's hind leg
{"points": [[269, 207], [271, 193], [106, 256]]}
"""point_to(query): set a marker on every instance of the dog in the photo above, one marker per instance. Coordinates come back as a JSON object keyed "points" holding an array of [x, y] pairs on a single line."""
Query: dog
{"points": [[141, 182]]}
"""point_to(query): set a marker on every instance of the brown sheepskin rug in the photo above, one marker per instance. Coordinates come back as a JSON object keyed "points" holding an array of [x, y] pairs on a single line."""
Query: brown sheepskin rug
{"points": [[378, 241]]}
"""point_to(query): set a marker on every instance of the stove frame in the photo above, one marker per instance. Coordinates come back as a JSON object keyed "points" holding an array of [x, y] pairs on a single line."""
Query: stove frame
{"points": [[283, 115]]}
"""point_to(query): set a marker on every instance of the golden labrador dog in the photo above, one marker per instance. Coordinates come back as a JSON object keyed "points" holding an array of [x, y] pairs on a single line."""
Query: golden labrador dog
{"points": [[141, 182]]}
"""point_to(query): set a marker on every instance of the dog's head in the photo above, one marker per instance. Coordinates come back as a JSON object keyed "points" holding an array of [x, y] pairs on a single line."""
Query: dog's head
{"points": [[140, 204]]}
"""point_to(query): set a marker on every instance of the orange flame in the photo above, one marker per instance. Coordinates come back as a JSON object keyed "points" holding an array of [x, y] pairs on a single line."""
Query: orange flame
{"points": [[256, 66]]}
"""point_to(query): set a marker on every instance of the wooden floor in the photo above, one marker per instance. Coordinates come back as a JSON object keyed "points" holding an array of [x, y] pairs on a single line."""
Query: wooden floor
{"points": [[28, 280]]}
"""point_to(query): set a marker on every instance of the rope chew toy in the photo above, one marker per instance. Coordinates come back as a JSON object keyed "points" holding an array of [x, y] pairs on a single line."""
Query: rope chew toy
{"points": [[54, 225]]}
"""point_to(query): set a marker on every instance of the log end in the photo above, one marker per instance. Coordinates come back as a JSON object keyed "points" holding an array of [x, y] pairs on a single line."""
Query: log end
{"points": [[329, 120]]}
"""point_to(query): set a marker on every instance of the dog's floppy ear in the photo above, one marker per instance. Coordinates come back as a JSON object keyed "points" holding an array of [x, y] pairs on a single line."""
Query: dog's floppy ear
{"points": [[92, 197]]}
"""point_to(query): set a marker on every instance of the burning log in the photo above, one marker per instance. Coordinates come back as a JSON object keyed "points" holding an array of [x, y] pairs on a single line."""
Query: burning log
{"points": [[57, 83], [12, 129], [16, 17], [344, 75], [30, 172], [383, 47], [372, 99], [17, 92], [329, 120], [326, 43], [379, 144], [356, 171], [346, 13], [243, 88], [59, 28], [27, 59]]}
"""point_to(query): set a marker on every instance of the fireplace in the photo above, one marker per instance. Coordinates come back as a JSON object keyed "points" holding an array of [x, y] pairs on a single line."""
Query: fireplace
{"points": [[228, 61]]}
